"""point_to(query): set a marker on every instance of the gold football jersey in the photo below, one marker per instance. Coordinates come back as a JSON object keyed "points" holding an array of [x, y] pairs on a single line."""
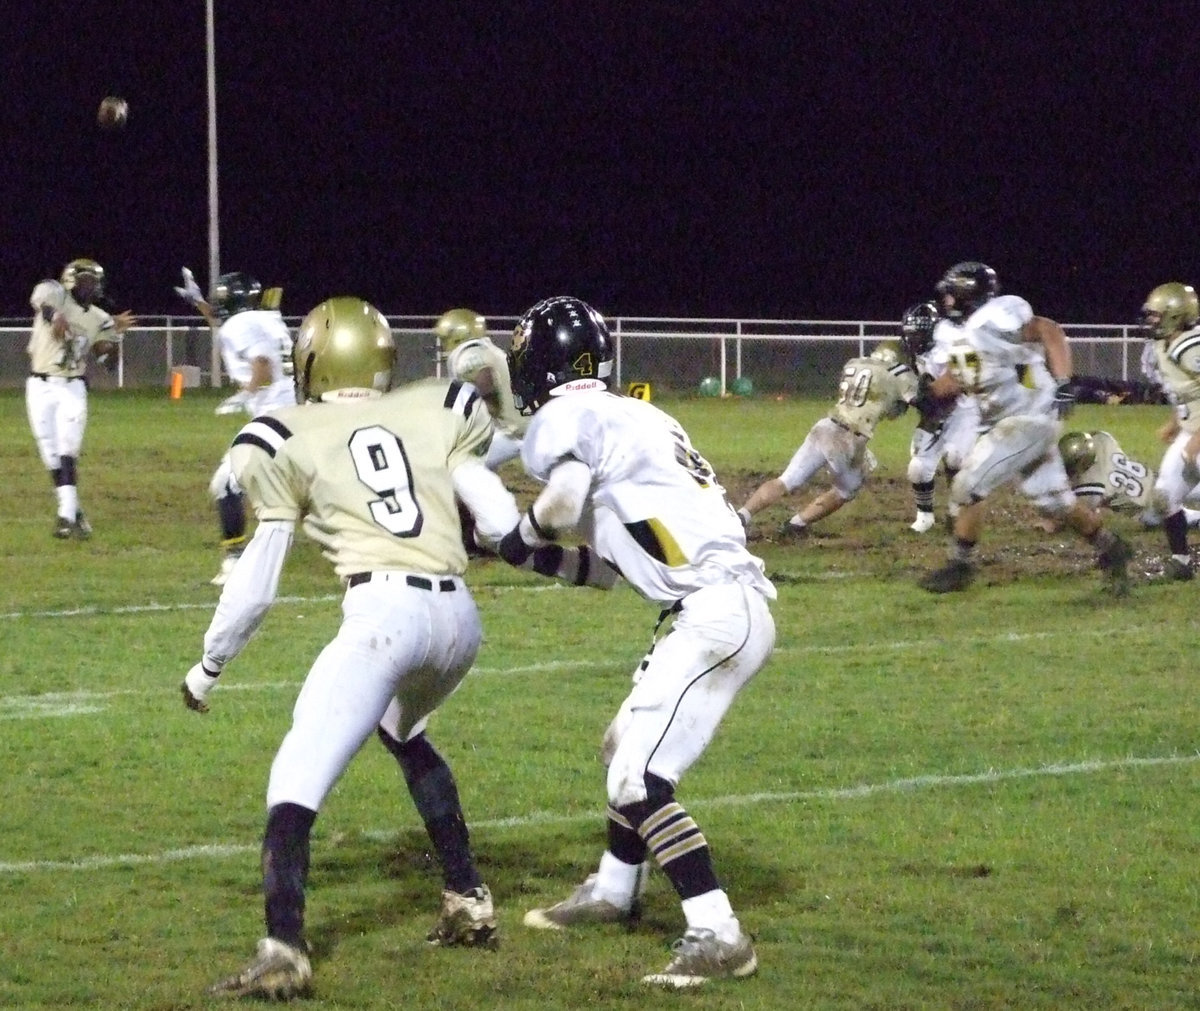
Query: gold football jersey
{"points": [[50, 356], [1179, 364], [871, 391], [369, 478]]}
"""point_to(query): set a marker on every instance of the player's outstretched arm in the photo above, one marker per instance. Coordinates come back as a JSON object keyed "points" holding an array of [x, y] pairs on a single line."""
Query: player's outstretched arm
{"points": [[245, 599]]}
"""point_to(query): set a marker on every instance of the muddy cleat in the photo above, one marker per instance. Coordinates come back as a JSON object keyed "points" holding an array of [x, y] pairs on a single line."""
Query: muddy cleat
{"points": [[63, 528], [278, 972], [953, 576], [82, 528], [467, 920], [227, 564], [1113, 561], [1179, 572], [789, 531], [699, 956], [579, 908], [923, 522]]}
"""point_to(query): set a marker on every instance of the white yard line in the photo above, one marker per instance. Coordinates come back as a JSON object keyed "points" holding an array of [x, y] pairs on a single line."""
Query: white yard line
{"points": [[217, 850]]}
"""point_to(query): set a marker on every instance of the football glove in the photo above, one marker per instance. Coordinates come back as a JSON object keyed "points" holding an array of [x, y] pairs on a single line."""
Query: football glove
{"points": [[197, 683], [190, 291]]}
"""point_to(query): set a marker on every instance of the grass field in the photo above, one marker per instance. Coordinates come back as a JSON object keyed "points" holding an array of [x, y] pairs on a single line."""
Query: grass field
{"points": [[986, 800]]}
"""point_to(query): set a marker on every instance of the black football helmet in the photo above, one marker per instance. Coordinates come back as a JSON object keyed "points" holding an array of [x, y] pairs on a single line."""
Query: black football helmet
{"points": [[234, 293], [967, 285], [561, 345], [916, 328]]}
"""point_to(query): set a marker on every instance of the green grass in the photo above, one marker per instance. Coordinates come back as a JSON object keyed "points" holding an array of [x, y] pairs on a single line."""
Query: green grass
{"points": [[981, 801]]}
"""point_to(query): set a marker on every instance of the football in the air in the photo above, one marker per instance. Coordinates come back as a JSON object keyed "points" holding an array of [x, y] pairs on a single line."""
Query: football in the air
{"points": [[112, 113]]}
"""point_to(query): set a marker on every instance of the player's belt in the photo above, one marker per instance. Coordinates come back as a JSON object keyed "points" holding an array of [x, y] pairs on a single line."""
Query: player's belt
{"points": [[841, 424], [420, 582], [47, 376]]}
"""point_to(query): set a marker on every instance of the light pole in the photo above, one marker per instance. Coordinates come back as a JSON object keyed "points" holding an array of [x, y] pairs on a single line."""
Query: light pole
{"points": [[214, 238]]}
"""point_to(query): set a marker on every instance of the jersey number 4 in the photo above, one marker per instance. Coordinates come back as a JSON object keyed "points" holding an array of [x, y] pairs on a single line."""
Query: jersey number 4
{"points": [[381, 464]]}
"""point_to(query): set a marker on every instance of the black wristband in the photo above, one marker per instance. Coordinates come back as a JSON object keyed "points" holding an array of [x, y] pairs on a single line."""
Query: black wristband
{"points": [[512, 547]]}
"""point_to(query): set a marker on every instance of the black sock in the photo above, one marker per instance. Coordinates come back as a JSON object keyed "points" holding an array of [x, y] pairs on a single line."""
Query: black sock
{"points": [[435, 794], [285, 870], [1175, 527]]}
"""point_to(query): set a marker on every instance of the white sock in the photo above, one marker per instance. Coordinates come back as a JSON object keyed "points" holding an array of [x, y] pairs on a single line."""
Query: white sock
{"points": [[797, 522], [712, 911], [617, 882], [68, 501]]}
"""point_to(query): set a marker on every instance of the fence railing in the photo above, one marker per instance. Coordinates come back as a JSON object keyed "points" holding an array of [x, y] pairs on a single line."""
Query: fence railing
{"points": [[674, 353]]}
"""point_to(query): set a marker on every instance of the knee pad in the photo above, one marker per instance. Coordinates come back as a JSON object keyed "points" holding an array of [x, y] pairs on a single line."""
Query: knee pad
{"points": [[921, 470], [659, 793]]}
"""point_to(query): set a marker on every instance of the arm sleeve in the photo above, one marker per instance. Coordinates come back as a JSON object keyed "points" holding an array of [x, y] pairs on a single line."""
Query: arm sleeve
{"points": [[248, 593], [484, 495]]}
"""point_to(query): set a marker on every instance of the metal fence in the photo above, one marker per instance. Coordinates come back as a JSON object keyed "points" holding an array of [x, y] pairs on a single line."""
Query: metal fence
{"points": [[674, 354]]}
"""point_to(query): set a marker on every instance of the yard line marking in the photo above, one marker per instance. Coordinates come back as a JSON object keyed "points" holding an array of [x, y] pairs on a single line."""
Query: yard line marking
{"points": [[49, 705], [863, 790]]}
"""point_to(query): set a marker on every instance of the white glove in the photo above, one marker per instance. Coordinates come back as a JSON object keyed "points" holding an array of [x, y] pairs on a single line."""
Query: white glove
{"points": [[190, 292], [197, 683]]}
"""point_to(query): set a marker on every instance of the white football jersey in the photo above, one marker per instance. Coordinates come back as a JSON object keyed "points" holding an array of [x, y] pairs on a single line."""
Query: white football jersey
{"points": [[370, 478], [1179, 368], [1114, 479], [258, 333], [656, 511], [871, 391], [467, 360], [49, 356], [988, 356]]}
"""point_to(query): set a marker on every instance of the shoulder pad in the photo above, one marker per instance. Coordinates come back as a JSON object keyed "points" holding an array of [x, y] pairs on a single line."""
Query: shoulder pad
{"points": [[266, 432], [1004, 313]]}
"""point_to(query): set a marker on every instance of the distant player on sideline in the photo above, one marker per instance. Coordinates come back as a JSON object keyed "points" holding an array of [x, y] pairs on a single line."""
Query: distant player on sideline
{"points": [[256, 349], [67, 325], [871, 389], [471, 357]]}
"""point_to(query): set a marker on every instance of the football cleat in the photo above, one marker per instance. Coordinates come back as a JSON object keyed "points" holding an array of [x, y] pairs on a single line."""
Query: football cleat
{"points": [[83, 529], [789, 531], [577, 909], [1180, 572], [953, 576], [467, 920], [923, 522], [279, 971], [63, 528], [699, 956]]}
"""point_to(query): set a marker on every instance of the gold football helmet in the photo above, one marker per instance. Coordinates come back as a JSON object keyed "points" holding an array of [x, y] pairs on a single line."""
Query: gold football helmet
{"points": [[455, 326], [1078, 451], [77, 274], [1169, 309], [888, 352], [344, 343]]}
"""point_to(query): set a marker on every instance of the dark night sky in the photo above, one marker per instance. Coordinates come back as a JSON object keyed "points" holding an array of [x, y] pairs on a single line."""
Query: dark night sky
{"points": [[799, 160]]}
